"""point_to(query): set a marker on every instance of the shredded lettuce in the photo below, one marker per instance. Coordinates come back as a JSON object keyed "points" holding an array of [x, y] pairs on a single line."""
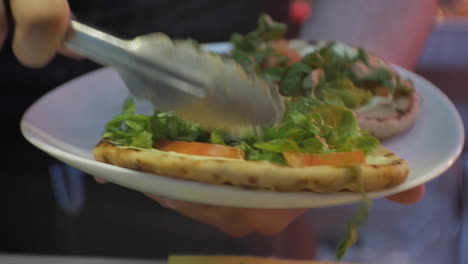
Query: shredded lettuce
{"points": [[252, 153], [309, 126], [352, 230], [278, 145], [129, 129], [322, 128], [291, 83], [216, 137], [166, 125], [341, 85], [267, 29], [345, 91]]}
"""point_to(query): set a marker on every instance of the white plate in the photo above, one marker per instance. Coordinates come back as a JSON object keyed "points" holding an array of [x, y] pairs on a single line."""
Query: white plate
{"points": [[68, 121]]}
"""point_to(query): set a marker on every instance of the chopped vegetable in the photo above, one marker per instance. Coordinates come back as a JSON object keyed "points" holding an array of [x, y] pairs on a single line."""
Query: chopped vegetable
{"points": [[201, 149], [352, 230], [350, 75], [129, 129]]}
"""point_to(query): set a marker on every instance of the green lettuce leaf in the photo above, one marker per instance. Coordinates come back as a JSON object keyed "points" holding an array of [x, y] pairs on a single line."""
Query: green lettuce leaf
{"points": [[268, 29], [381, 77], [278, 145], [314, 60], [403, 88], [335, 65], [129, 128], [352, 230], [273, 74], [309, 126], [344, 89], [321, 128], [216, 137], [248, 49], [252, 153], [166, 125]]}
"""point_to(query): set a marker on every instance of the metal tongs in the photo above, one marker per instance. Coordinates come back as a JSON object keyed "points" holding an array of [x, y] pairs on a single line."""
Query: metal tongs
{"points": [[177, 76]]}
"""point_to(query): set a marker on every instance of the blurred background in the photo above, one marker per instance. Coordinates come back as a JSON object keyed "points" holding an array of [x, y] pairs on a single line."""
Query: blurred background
{"points": [[47, 208]]}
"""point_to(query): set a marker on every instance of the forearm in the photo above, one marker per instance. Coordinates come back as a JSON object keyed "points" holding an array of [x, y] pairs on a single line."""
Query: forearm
{"points": [[394, 29]]}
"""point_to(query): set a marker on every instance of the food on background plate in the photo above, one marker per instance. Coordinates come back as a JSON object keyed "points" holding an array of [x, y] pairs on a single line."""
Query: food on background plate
{"points": [[331, 92], [385, 103]]}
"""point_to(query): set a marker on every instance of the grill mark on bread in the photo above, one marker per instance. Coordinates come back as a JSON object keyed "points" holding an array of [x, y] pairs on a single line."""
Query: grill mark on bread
{"points": [[216, 177], [302, 182], [252, 179]]}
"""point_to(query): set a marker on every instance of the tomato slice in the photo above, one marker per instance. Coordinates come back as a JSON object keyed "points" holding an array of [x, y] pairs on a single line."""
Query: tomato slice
{"points": [[297, 159], [281, 47], [200, 149]]}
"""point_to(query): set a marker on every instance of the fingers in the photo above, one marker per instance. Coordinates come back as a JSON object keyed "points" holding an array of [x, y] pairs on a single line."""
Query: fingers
{"points": [[40, 29], [3, 23], [220, 217], [229, 220], [68, 53], [411, 196]]}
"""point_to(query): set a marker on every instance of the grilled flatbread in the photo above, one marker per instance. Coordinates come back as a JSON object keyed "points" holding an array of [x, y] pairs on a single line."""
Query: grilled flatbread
{"points": [[383, 169]]}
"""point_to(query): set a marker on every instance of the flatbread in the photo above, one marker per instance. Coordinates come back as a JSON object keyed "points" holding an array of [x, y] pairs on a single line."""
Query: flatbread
{"points": [[389, 120], [383, 169], [226, 259]]}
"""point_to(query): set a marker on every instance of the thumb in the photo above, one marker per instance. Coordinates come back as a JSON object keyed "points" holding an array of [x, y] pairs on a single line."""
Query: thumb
{"points": [[39, 30]]}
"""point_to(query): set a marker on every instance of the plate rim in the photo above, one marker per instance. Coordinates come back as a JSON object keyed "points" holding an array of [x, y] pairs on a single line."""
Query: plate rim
{"points": [[346, 198]]}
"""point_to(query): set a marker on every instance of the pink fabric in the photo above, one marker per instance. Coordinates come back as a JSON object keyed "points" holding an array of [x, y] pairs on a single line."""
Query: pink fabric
{"points": [[299, 11]]}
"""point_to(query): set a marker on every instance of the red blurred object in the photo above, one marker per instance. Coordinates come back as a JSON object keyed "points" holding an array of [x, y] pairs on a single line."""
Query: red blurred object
{"points": [[299, 11]]}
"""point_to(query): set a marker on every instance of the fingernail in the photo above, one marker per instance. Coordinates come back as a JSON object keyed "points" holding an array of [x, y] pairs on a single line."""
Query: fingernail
{"points": [[99, 180]]}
